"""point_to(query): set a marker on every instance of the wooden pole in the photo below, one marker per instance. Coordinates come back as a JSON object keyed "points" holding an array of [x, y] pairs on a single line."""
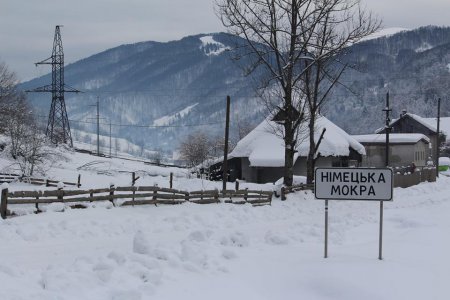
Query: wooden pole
{"points": [[171, 180], [388, 129], [4, 204], [111, 193], [98, 127], [225, 148], [79, 180], [437, 136], [110, 138]]}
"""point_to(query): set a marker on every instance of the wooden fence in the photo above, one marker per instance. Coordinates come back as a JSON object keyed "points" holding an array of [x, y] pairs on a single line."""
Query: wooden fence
{"points": [[291, 189], [130, 195], [406, 179], [8, 178]]}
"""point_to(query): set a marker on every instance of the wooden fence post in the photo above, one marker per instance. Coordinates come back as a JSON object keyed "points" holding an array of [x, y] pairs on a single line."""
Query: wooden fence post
{"points": [[155, 196], [60, 194], [237, 185], [216, 196], [79, 181], [47, 182], [133, 178], [245, 195], [4, 203], [283, 193], [37, 205], [171, 180], [111, 194]]}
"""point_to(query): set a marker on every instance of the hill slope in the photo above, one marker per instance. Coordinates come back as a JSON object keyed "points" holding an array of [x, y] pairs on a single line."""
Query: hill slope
{"points": [[179, 83], [182, 84]]}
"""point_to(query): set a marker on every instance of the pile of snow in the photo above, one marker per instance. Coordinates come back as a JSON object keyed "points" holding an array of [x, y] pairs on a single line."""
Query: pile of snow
{"points": [[444, 161]]}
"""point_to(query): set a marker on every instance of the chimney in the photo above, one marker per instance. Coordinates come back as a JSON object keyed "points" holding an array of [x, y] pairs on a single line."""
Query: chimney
{"points": [[403, 113]]}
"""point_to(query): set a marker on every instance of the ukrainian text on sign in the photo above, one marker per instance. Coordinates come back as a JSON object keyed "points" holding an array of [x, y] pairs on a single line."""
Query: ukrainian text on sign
{"points": [[353, 184]]}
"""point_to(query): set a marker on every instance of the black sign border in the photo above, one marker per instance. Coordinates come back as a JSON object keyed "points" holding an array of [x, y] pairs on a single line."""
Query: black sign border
{"points": [[364, 168]]}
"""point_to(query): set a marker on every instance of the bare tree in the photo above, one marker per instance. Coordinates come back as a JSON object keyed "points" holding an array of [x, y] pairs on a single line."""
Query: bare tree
{"points": [[156, 156], [283, 37], [29, 146], [341, 24], [195, 148], [11, 101], [244, 127], [8, 81], [271, 30]]}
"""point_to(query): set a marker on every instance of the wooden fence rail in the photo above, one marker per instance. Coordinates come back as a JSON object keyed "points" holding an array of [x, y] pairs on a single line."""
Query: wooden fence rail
{"points": [[291, 189], [131, 195], [8, 178]]}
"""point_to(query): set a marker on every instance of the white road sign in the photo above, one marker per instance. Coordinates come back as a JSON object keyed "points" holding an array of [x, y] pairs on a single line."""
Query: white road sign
{"points": [[353, 184]]}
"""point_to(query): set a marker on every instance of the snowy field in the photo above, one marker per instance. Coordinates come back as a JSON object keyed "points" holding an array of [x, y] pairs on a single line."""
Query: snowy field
{"points": [[225, 251]]}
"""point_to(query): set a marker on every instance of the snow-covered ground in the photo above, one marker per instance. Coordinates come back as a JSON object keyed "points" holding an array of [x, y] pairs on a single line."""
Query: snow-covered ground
{"points": [[167, 120], [224, 251]]}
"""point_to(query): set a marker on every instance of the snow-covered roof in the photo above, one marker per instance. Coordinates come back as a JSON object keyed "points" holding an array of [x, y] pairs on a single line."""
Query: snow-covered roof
{"points": [[444, 125], [419, 119], [264, 148], [395, 138]]}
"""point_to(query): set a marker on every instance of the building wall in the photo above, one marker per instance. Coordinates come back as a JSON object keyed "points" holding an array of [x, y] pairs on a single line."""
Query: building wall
{"points": [[408, 125], [248, 173], [272, 174], [399, 154]]}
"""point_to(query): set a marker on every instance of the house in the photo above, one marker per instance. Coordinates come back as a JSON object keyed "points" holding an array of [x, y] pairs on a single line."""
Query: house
{"points": [[259, 156], [412, 123], [404, 149]]}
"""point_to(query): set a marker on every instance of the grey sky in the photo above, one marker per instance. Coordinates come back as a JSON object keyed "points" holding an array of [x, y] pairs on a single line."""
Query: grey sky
{"points": [[91, 26]]}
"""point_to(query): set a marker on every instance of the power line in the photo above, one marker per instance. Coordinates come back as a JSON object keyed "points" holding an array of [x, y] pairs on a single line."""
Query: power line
{"points": [[145, 126]]}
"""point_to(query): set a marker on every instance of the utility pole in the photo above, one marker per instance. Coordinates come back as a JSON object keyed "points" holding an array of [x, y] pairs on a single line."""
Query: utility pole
{"points": [[387, 129], [98, 127], [387, 109], [225, 148], [110, 138], [97, 105], [438, 136]]}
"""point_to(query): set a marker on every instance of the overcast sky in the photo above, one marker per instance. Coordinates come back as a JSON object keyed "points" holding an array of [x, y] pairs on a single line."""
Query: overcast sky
{"points": [[90, 26]]}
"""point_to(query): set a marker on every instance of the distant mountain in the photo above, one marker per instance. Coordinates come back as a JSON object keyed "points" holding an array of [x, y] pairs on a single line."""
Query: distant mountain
{"points": [[179, 84], [413, 65], [182, 84]]}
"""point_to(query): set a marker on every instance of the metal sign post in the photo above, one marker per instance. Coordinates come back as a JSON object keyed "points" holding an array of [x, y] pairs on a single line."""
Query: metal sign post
{"points": [[380, 238], [326, 229], [366, 184]]}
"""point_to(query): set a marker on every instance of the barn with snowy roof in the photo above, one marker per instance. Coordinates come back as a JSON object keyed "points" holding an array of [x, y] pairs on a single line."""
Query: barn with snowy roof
{"points": [[259, 156], [412, 123]]}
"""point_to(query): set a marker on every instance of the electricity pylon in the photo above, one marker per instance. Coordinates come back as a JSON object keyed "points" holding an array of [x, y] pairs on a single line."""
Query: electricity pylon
{"points": [[58, 127]]}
